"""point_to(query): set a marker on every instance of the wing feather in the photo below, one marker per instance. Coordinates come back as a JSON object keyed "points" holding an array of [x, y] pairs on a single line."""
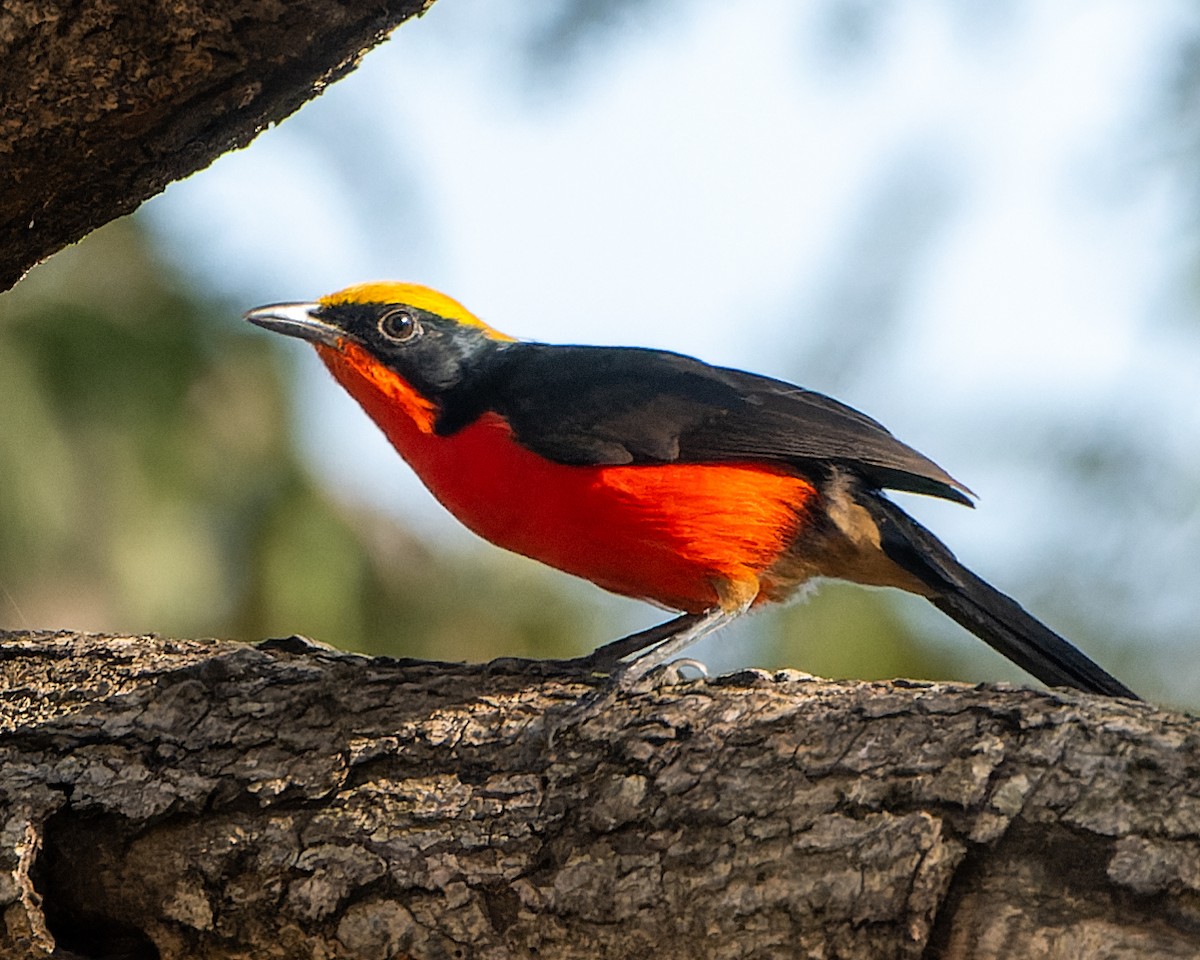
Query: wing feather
{"points": [[610, 405]]}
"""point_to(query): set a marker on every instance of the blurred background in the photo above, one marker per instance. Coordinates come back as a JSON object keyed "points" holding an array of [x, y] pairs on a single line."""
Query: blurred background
{"points": [[977, 222]]}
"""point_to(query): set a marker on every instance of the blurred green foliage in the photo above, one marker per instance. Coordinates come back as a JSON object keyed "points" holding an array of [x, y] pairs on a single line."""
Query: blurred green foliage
{"points": [[150, 484], [844, 630]]}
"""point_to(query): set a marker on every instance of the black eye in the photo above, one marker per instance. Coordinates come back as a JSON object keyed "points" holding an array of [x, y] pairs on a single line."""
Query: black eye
{"points": [[399, 325]]}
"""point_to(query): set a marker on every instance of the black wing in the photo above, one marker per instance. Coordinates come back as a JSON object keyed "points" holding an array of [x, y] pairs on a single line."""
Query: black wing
{"points": [[613, 405]]}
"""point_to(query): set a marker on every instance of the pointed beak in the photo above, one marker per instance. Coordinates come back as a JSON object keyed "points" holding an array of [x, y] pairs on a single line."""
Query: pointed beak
{"points": [[300, 320]]}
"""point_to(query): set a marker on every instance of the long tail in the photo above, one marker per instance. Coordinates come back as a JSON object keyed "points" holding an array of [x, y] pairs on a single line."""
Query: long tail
{"points": [[996, 619]]}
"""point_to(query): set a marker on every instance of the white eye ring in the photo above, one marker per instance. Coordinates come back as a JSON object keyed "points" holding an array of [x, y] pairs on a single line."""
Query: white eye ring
{"points": [[399, 325]]}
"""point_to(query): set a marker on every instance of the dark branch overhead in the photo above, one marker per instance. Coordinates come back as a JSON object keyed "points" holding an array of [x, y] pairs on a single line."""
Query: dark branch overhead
{"points": [[104, 103]]}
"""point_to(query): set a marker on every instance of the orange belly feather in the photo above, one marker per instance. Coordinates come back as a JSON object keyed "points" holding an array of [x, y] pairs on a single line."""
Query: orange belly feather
{"points": [[668, 533]]}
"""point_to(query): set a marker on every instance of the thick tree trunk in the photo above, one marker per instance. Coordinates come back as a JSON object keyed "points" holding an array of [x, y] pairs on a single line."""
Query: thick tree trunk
{"points": [[208, 799], [105, 102]]}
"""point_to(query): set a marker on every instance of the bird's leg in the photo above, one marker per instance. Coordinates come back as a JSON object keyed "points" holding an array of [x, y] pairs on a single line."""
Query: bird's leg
{"points": [[607, 656], [603, 659], [735, 597], [672, 637], [627, 676]]}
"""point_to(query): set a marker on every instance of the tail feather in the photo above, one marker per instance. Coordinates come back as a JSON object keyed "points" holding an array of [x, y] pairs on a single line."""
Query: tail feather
{"points": [[993, 617]]}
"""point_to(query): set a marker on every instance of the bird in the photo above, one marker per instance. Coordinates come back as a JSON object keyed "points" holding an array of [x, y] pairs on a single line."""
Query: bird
{"points": [[705, 490]]}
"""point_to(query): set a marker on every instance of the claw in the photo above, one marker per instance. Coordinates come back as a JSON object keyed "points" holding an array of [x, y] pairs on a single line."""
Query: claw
{"points": [[675, 670]]}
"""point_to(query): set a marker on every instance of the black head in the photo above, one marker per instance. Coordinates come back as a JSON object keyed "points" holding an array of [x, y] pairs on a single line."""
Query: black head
{"points": [[430, 340]]}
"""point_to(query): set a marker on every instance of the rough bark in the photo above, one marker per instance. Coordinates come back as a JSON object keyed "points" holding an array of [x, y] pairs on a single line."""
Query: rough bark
{"points": [[182, 798], [105, 102]]}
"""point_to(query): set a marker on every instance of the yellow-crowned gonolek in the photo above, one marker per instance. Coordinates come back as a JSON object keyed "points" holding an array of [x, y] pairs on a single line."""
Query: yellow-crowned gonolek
{"points": [[703, 489]]}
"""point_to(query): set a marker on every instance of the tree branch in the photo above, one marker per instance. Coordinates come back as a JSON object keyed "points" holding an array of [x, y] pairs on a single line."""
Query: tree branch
{"points": [[105, 102], [207, 799]]}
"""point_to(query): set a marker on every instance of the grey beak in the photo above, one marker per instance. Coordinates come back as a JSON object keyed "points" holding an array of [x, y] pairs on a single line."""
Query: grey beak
{"points": [[296, 320]]}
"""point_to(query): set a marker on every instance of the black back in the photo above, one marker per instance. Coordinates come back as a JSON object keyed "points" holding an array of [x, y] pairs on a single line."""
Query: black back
{"points": [[584, 405]]}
